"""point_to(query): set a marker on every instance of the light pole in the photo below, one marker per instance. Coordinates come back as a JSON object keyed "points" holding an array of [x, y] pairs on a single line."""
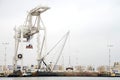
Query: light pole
{"points": [[5, 55], [109, 46]]}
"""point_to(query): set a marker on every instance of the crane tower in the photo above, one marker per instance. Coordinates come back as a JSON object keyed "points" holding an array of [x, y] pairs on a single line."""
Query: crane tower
{"points": [[25, 32]]}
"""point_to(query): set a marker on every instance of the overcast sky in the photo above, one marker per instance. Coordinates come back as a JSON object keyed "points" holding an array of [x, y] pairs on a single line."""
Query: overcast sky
{"points": [[93, 25]]}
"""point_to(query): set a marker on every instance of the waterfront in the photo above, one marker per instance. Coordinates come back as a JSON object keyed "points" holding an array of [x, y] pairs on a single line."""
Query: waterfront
{"points": [[61, 78], [71, 67]]}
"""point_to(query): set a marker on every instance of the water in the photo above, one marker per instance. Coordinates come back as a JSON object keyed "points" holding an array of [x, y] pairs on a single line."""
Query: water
{"points": [[61, 78]]}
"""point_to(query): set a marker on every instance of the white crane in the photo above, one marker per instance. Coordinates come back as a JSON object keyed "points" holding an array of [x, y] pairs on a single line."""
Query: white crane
{"points": [[27, 31]]}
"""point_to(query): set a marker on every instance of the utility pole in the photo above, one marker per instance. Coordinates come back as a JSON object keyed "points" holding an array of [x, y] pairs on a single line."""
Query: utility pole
{"points": [[5, 55], [109, 46]]}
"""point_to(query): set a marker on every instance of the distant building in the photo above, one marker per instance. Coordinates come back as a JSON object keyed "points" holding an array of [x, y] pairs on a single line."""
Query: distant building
{"points": [[101, 69], [1, 68], [104, 68], [116, 67], [80, 68], [58, 68], [90, 68]]}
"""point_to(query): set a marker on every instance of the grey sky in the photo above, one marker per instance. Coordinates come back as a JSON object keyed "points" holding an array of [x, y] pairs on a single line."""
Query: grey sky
{"points": [[93, 25]]}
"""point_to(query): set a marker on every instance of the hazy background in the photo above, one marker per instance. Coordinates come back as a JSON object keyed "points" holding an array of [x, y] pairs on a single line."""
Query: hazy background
{"points": [[93, 25]]}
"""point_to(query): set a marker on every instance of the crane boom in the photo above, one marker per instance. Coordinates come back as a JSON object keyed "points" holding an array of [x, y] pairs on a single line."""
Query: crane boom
{"points": [[66, 36]]}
